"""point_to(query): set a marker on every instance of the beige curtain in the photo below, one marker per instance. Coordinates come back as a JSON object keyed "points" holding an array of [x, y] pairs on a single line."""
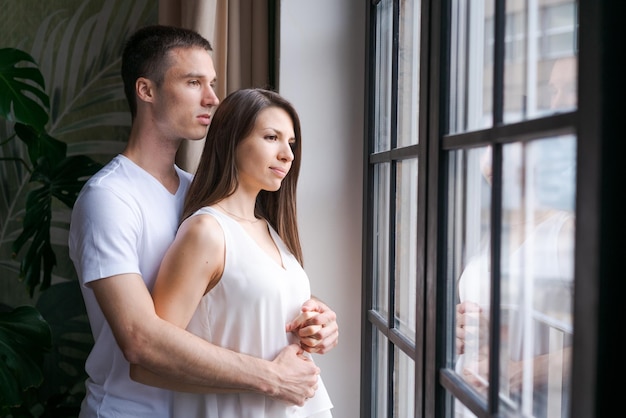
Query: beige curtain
{"points": [[239, 33]]}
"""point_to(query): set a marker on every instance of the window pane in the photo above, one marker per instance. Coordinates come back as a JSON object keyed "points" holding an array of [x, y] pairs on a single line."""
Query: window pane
{"points": [[406, 247], [408, 73], [381, 239], [540, 64], [471, 81], [469, 264], [537, 275], [381, 377], [558, 28], [404, 385], [384, 32]]}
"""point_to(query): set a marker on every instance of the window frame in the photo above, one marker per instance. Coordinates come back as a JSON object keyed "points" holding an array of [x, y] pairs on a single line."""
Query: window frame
{"points": [[600, 247]]}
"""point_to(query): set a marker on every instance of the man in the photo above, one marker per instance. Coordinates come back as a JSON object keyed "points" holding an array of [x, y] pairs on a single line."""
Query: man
{"points": [[124, 220]]}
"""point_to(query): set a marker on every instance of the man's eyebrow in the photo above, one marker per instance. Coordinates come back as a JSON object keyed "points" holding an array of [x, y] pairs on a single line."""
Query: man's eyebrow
{"points": [[195, 75]]}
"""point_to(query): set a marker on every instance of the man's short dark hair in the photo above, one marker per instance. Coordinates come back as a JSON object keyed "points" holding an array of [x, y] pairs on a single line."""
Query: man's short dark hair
{"points": [[146, 55]]}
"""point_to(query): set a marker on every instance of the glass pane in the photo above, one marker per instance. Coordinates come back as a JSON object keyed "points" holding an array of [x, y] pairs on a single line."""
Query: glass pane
{"points": [[408, 73], [381, 377], [468, 264], [406, 247], [404, 385], [540, 58], [382, 94], [537, 275], [471, 58], [381, 239], [515, 70]]}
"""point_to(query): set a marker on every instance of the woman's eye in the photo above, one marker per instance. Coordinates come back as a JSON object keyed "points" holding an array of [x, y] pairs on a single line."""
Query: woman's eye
{"points": [[271, 137]]}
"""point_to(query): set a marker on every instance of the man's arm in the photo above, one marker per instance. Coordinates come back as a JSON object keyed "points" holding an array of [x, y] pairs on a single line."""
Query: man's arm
{"points": [[175, 354], [143, 375]]}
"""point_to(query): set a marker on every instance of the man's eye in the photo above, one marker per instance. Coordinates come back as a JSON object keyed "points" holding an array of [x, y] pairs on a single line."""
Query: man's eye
{"points": [[194, 82]]}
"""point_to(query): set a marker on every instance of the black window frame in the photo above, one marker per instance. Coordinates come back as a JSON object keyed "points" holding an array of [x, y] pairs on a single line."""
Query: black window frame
{"points": [[600, 227]]}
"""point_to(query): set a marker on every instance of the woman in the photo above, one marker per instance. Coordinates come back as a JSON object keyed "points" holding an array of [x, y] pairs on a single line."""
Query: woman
{"points": [[234, 272]]}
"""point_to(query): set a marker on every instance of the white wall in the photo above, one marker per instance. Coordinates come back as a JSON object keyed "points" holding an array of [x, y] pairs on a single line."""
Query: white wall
{"points": [[322, 56]]}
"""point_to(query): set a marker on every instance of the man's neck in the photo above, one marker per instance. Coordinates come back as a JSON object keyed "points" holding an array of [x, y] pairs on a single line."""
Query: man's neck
{"points": [[155, 158]]}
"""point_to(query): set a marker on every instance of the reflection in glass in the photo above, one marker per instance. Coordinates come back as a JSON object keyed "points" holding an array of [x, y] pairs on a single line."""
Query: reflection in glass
{"points": [[537, 275], [469, 233], [381, 239], [536, 272], [540, 58], [406, 247], [408, 73], [382, 93], [404, 385]]}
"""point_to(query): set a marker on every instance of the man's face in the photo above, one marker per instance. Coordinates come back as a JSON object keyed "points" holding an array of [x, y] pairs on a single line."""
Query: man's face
{"points": [[186, 99], [563, 84]]}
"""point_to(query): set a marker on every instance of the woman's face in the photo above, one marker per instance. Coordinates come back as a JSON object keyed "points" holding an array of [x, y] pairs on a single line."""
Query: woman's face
{"points": [[264, 157]]}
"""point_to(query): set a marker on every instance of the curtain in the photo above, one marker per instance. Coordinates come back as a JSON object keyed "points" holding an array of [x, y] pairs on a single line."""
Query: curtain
{"points": [[239, 32]]}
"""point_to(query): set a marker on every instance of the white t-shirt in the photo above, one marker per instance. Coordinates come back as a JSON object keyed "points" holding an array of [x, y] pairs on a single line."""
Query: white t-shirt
{"points": [[122, 222]]}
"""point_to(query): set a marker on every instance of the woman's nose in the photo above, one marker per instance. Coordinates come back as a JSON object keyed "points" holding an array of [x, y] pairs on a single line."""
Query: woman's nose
{"points": [[286, 153]]}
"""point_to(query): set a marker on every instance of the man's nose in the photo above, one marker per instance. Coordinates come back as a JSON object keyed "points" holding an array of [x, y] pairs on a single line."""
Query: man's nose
{"points": [[210, 98]]}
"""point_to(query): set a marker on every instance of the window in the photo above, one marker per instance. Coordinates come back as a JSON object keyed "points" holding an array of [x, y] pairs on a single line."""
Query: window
{"points": [[471, 191], [509, 259], [394, 172]]}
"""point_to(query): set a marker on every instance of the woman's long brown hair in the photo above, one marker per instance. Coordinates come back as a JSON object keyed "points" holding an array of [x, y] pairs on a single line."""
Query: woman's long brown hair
{"points": [[217, 178]]}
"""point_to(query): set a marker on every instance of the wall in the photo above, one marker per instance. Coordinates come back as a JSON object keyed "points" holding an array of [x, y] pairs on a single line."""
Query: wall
{"points": [[322, 58]]}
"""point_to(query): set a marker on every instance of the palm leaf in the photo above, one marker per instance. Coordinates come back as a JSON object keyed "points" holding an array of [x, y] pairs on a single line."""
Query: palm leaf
{"points": [[84, 76]]}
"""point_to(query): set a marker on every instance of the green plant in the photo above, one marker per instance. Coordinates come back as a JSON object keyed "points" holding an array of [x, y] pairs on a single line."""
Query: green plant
{"points": [[53, 136], [57, 175], [24, 334], [24, 338]]}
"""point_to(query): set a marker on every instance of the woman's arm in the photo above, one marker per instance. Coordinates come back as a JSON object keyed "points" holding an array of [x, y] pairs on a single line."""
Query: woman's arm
{"points": [[193, 263]]}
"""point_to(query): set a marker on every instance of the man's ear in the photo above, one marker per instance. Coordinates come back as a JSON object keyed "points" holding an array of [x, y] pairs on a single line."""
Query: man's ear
{"points": [[145, 89]]}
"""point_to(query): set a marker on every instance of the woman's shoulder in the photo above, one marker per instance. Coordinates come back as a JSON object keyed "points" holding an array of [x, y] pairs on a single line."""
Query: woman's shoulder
{"points": [[201, 228]]}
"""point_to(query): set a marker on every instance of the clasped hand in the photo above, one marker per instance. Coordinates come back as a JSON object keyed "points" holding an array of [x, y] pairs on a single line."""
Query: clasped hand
{"points": [[315, 327]]}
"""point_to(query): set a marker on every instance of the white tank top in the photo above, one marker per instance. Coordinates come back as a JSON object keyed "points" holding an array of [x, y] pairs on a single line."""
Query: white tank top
{"points": [[247, 312]]}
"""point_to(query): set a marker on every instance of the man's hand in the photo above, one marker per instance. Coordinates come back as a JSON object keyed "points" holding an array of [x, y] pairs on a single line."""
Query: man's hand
{"points": [[316, 327], [297, 375]]}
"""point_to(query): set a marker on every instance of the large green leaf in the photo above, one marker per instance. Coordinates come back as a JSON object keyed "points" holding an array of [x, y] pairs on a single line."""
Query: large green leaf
{"points": [[24, 338], [62, 181], [19, 85], [40, 144]]}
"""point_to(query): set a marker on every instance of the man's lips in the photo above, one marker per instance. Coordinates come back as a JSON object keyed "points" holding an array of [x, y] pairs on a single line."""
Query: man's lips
{"points": [[205, 119]]}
